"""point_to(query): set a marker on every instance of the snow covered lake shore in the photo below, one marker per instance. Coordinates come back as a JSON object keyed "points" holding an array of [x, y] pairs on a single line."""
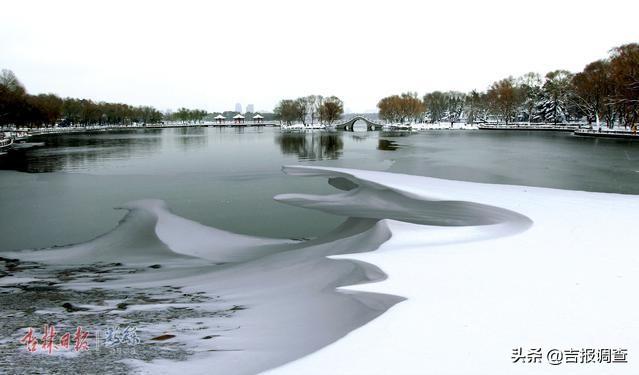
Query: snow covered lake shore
{"points": [[474, 271], [567, 282]]}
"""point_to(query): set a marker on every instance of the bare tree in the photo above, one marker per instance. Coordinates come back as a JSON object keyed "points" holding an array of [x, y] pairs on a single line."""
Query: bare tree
{"points": [[504, 98], [331, 109]]}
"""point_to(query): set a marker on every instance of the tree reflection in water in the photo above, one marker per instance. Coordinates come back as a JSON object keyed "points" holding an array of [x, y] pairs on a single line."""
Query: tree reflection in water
{"points": [[80, 150], [386, 145], [189, 138], [311, 146]]}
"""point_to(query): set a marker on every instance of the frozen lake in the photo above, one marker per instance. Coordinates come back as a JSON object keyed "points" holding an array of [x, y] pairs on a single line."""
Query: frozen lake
{"points": [[226, 178], [219, 257]]}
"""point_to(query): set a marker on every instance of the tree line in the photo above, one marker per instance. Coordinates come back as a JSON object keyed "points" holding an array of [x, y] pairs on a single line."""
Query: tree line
{"points": [[606, 90], [310, 108], [186, 115], [19, 108]]}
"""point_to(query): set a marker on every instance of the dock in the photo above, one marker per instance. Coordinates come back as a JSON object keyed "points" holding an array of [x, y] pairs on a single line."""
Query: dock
{"points": [[540, 127], [620, 134]]}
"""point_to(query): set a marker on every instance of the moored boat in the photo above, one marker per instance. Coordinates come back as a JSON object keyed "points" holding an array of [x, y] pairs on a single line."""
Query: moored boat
{"points": [[5, 144]]}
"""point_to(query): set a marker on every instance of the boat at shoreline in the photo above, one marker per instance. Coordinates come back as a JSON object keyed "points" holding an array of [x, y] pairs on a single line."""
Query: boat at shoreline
{"points": [[8, 139], [5, 144]]}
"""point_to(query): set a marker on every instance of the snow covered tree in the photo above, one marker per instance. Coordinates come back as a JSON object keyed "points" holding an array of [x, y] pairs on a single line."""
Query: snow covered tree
{"points": [[475, 107], [530, 85], [436, 104], [555, 97], [313, 105], [455, 106]]}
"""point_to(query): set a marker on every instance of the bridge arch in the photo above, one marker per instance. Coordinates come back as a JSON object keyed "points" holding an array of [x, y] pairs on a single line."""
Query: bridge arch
{"points": [[348, 125]]}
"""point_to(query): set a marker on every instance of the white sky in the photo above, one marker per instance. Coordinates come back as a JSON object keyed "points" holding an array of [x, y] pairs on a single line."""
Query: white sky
{"points": [[211, 55]]}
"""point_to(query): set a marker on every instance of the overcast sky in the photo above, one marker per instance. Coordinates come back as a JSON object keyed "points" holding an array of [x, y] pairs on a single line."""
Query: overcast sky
{"points": [[211, 55]]}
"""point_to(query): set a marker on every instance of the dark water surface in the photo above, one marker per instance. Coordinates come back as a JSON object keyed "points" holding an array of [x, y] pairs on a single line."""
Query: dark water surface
{"points": [[226, 177]]}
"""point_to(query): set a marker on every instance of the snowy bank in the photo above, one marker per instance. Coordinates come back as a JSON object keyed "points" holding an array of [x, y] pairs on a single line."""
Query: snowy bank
{"points": [[568, 282], [424, 276]]}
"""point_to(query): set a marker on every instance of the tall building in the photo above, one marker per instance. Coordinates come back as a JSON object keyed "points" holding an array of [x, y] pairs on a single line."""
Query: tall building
{"points": [[238, 108], [250, 108]]}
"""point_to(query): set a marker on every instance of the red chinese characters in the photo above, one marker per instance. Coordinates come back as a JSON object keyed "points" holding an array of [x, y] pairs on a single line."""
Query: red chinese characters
{"points": [[48, 341]]}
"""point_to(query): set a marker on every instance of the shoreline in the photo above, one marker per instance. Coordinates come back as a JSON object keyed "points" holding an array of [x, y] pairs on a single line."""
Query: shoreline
{"points": [[310, 306], [273, 284], [418, 127], [530, 128], [484, 297], [251, 297], [621, 134]]}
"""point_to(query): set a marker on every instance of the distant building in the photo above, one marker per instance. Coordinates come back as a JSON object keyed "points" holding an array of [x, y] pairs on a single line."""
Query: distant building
{"points": [[250, 108], [238, 108]]}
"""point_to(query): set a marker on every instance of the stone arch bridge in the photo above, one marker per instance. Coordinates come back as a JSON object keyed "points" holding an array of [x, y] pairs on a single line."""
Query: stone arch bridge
{"points": [[348, 125]]}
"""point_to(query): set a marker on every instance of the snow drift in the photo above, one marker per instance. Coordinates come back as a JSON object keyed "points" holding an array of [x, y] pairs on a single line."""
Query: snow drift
{"points": [[473, 266]]}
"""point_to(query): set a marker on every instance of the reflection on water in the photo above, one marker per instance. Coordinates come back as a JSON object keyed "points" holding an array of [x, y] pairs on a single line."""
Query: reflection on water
{"points": [[358, 137], [75, 151], [227, 176], [395, 133], [520, 158], [360, 126], [190, 138], [387, 145], [312, 146]]}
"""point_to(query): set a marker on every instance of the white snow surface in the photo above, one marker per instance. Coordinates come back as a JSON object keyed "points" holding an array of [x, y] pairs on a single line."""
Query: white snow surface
{"points": [[434, 277], [569, 281], [444, 126]]}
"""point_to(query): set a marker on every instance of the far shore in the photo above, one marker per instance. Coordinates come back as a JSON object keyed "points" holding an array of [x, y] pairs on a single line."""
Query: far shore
{"points": [[578, 129]]}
